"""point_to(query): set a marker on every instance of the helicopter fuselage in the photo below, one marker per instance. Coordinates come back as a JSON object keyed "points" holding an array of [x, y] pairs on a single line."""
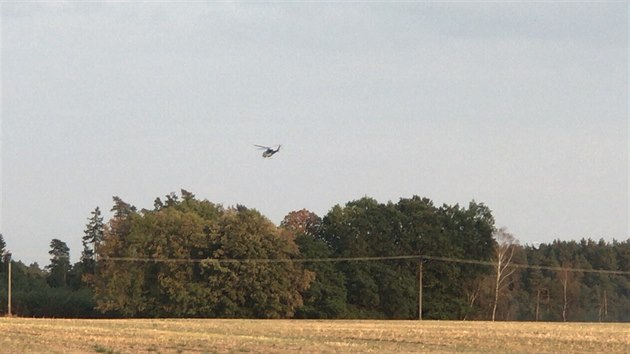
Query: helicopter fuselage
{"points": [[269, 152]]}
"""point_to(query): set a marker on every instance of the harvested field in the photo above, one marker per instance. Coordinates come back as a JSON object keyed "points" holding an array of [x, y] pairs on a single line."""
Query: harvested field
{"points": [[310, 336]]}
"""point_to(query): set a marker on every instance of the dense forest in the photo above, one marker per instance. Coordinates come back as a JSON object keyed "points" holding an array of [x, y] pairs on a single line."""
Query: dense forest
{"points": [[187, 257]]}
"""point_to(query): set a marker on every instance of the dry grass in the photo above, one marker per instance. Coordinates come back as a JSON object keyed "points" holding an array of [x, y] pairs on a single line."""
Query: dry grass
{"points": [[304, 336]]}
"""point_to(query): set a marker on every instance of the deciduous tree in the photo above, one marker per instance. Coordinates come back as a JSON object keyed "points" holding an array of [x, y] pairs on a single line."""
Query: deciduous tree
{"points": [[191, 258], [503, 253], [326, 295]]}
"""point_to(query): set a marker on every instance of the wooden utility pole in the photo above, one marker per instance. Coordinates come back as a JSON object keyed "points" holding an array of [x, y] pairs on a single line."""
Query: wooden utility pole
{"points": [[420, 290], [537, 303], [7, 258], [9, 301]]}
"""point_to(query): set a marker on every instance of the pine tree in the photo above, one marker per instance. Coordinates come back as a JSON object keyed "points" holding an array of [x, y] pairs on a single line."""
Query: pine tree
{"points": [[59, 263], [91, 240], [3, 246]]}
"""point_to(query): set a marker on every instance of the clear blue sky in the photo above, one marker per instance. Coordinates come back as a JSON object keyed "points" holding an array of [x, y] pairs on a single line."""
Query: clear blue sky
{"points": [[521, 106]]}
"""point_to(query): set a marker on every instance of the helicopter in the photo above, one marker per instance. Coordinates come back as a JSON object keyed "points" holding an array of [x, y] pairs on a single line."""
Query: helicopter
{"points": [[268, 150]]}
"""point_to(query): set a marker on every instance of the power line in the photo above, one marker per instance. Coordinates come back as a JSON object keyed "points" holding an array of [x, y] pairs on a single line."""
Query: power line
{"points": [[355, 259]]}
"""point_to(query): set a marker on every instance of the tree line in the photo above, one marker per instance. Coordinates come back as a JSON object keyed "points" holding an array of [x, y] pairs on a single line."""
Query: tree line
{"points": [[187, 257]]}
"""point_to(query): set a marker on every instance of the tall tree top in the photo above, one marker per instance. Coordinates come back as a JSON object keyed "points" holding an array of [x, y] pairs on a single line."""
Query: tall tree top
{"points": [[121, 208], [302, 222], [3, 245]]}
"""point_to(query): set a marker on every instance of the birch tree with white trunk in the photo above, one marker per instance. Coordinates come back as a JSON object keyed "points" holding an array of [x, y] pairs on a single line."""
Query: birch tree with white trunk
{"points": [[503, 254]]}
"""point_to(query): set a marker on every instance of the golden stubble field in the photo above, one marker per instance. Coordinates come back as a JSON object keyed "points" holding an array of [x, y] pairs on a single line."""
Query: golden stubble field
{"points": [[24, 335]]}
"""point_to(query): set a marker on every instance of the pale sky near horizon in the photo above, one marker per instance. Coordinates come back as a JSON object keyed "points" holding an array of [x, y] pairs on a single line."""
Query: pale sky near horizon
{"points": [[520, 106]]}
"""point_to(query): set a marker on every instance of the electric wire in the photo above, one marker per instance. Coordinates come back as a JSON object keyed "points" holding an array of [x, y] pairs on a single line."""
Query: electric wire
{"points": [[356, 259]]}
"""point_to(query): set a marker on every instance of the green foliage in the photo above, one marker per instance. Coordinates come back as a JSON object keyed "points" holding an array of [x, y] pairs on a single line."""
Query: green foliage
{"points": [[33, 297], [260, 290], [59, 263], [3, 251], [326, 295], [93, 236], [389, 289], [192, 258], [201, 235], [590, 296]]}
